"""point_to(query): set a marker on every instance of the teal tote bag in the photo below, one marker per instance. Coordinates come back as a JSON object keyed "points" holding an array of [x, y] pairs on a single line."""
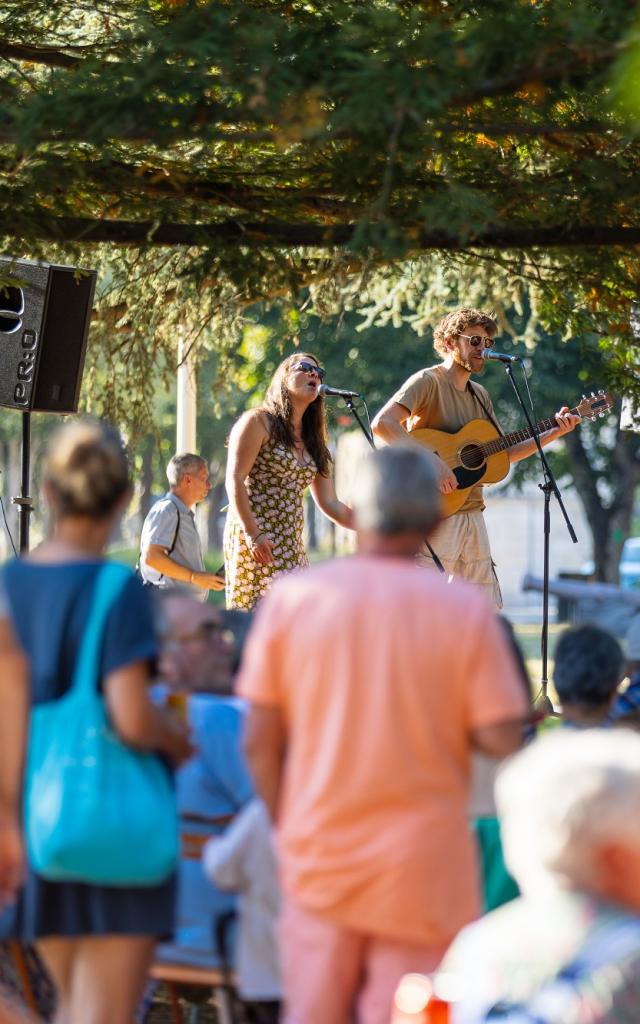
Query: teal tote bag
{"points": [[95, 810]]}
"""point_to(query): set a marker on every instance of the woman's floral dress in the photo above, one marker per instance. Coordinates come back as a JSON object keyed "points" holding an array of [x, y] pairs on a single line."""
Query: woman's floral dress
{"points": [[276, 486]]}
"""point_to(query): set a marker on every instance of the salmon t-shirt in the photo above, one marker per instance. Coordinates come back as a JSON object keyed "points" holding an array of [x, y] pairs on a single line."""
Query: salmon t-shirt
{"points": [[380, 670], [433, 401]]}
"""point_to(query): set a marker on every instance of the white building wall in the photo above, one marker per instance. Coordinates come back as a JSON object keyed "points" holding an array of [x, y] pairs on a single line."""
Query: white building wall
{"points": [[515, 523]]}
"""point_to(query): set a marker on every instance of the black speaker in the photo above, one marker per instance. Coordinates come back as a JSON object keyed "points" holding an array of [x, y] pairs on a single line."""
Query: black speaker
{"points": [[44, 321]]}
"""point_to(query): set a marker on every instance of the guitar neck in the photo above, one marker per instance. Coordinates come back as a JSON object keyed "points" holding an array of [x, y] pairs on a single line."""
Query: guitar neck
{"points": [[501, 444]]}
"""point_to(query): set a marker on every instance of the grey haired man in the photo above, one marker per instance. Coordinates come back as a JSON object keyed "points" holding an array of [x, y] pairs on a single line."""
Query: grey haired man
{"points": [[170, 547]]}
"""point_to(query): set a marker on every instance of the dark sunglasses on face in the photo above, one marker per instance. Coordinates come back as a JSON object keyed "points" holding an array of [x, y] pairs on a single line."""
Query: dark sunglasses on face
{"points": [[311, 368], [477, 340]]}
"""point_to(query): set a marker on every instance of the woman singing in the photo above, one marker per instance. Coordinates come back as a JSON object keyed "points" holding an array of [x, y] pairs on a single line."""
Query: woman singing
{"points": [[275, 452]]}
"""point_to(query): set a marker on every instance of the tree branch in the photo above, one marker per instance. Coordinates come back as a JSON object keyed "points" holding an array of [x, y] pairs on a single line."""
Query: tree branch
{"points": [[503, 128], [566, 70], [39, 55], [281, 234], [174, 184]]}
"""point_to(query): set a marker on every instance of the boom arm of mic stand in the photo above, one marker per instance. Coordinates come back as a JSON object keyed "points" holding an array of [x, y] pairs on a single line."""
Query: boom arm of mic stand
{"points": [[542, 701], [354, 412]]}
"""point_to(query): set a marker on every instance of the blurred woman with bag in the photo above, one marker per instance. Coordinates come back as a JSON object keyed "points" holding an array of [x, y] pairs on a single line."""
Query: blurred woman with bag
{"points": [[76, 636]]}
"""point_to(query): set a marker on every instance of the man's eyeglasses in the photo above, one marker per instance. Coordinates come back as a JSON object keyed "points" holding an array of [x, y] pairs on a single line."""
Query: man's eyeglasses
{"points": [[311, 368], [206, 631], [477, 340]]}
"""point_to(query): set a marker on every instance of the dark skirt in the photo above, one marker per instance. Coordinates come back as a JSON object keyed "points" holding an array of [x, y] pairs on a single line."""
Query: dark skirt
{"points": [[74, 909]]}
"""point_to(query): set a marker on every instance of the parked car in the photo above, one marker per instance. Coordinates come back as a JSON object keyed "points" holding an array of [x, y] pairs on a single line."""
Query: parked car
{"points": [[630, 564]]}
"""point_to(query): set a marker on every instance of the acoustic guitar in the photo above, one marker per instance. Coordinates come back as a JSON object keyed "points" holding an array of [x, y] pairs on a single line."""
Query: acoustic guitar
{"points": [[477, 453]]}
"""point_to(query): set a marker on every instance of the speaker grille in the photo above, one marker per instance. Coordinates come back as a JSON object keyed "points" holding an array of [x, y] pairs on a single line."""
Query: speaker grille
{"points": [[64, 339], [11, 309]]}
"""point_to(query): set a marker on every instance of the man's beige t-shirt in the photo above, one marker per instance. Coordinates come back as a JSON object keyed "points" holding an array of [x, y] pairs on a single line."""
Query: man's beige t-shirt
{"points": [[381, 671], [434, 402]]}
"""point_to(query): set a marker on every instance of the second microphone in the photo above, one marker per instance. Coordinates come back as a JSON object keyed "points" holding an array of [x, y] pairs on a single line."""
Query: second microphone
{"points": [[324, 389]]}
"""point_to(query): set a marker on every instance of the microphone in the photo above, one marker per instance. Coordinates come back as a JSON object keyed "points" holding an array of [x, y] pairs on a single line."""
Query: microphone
{"points": [[324, 389], [488, 353]]}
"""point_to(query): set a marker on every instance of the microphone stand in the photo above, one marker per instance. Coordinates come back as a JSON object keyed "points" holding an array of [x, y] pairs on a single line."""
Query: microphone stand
{"points": [[549, 487], [24, 502], [348, 401]]}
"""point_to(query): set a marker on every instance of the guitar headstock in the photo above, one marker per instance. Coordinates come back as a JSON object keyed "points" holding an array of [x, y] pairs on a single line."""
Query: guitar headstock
{"points": [[597, 404]]}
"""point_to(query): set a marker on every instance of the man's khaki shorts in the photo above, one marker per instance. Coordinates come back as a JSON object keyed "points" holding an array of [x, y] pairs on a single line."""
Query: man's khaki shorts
{"points": [[461, 542]]}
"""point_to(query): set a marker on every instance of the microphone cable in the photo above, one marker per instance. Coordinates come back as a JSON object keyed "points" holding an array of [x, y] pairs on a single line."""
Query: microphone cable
{"points": [[6, 525]]}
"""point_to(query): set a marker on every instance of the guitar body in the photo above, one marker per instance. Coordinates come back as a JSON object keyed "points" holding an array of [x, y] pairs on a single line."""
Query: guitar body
{"points": [[462, 454], [478, 454]]}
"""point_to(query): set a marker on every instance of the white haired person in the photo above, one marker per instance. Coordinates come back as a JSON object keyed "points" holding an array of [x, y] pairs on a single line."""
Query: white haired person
{"points": [[96, 940], [568, 950]]}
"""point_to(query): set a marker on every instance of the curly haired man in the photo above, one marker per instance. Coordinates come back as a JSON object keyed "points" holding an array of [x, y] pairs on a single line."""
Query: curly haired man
{"points": [[443, 398]]}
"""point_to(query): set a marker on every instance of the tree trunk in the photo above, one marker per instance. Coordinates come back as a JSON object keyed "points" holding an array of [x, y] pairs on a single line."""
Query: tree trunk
{"points": [[217, 499], [146, 477], [610, 524]]}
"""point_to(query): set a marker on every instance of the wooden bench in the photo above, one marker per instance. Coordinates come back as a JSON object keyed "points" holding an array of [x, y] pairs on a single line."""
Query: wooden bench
{"points": [[175, 975]]}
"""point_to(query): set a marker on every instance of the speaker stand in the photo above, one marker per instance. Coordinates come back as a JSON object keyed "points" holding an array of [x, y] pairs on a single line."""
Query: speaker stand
{"points": [[24, 502]]}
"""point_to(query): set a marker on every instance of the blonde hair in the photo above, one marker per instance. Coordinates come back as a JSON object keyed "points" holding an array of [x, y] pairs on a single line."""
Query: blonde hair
{"points": [[87, 469], [457, 322]]}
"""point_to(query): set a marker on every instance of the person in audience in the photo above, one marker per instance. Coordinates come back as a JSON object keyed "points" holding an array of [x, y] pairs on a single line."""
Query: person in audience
{"points": [[568, 949], [370, 682], [170, 548], [196, 665], [588, 668], [22, 975], [96, 941], [14, 1013], [498, 886], [626, 705], [243, 861]]}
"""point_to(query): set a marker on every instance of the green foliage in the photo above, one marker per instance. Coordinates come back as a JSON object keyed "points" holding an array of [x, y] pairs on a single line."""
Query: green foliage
{"points": [[368, 156]]}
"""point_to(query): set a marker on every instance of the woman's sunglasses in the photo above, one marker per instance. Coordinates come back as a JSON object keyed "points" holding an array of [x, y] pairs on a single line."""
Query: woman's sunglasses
{"points": [[311, 368], [477, 340]]}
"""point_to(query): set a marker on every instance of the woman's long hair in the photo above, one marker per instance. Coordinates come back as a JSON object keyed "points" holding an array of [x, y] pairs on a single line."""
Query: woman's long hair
{"points": [[277, 406]]}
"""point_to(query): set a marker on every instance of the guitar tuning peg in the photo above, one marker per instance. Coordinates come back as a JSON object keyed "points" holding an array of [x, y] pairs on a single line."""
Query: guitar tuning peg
{"points": [[592, 394], [584, 397]]}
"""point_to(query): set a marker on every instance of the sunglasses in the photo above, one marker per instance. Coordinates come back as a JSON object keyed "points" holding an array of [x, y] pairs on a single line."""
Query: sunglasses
{"points": [[311, 368], [477, 340]]}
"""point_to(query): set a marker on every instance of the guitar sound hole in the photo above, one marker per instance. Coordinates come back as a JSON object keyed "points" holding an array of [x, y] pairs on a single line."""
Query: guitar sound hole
{"points": [[471, 456]]}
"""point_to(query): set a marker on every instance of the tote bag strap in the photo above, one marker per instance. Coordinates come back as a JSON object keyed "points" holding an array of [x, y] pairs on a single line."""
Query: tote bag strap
{"points": [[110, 582]]}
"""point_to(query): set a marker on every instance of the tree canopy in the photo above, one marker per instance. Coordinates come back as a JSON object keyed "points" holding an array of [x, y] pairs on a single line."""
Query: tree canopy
{"points": [[275, 140], [372, 155]]}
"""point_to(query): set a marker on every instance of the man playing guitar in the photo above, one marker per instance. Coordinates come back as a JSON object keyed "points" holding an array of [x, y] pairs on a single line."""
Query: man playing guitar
{"points": [[443, 398]]}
